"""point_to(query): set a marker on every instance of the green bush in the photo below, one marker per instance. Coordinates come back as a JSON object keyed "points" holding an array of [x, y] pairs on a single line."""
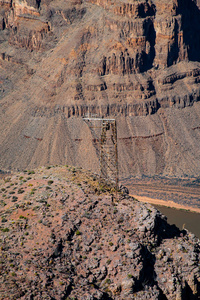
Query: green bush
{"points": [[50, 182], [108, 261], [108, 281], [31, 172], [14, 198], [11, 192], [5, 229], [22, 217], [20, 191]]}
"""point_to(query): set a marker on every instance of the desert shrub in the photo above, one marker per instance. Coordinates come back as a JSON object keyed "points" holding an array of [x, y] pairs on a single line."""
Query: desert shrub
{"points": [[108, 281], [36, 207], [48, 188], [5, 229], [31, 172], [32, 192], [7, 179], [20, 191], [108, 261], [22, 217], [11, 192], [50, 182]]}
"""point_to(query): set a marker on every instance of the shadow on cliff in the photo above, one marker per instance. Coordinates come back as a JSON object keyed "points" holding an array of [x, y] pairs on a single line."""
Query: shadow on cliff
{"points": [[149, 59], [145, 59], [187, 293], [167, 231], [147, 276], [174, 51], [38, 2], [191, 27]]}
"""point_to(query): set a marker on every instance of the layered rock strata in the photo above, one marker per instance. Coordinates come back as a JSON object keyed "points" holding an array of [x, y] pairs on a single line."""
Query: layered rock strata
{"points": [[127, 59]]}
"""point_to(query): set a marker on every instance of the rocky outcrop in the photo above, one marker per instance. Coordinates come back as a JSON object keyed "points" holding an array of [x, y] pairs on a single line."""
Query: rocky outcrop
{"points": [[29, 38], [133, 9], [63, 234], [139, 109]]}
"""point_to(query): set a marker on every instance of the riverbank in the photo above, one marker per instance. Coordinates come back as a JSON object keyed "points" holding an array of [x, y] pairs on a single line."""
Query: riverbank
{"points": [[166, 203], [184, 217]]}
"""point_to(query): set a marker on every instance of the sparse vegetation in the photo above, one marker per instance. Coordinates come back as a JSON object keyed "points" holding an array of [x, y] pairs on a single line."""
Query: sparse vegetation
{"points": [[5, 229], [50, 182], [20, 191], [31, 172]]}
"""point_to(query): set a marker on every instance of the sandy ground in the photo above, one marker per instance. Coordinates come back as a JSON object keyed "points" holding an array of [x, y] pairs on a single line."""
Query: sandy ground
{"points": [[165, 203]]}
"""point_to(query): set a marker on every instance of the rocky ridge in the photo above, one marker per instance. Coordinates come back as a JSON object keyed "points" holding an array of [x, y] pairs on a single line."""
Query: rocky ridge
{"points": [[65, 236]]}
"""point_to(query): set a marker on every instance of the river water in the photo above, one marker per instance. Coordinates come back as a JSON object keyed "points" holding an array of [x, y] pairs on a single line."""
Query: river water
{"points": [[182, 218]]}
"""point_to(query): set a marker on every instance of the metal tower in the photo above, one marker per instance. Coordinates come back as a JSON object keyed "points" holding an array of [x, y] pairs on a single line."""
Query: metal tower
{"points": [[108, 159]]}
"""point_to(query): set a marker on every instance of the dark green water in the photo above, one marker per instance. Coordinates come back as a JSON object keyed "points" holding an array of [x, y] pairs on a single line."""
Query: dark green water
{"points": [[180, 218]]}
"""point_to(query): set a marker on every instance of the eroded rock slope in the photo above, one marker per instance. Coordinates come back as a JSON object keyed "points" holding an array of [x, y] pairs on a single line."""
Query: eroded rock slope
{"points": [[137, 61]]}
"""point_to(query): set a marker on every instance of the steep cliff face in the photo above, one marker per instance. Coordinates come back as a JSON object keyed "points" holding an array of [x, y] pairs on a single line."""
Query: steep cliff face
{"points": [[137, 61]]}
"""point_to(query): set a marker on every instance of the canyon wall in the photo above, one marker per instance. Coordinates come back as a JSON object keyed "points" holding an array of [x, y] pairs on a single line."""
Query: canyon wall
{"points": [[136, 61]]}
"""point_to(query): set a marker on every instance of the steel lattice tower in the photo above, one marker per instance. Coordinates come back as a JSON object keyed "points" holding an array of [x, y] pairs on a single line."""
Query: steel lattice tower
{"points": [[108, 159]]}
